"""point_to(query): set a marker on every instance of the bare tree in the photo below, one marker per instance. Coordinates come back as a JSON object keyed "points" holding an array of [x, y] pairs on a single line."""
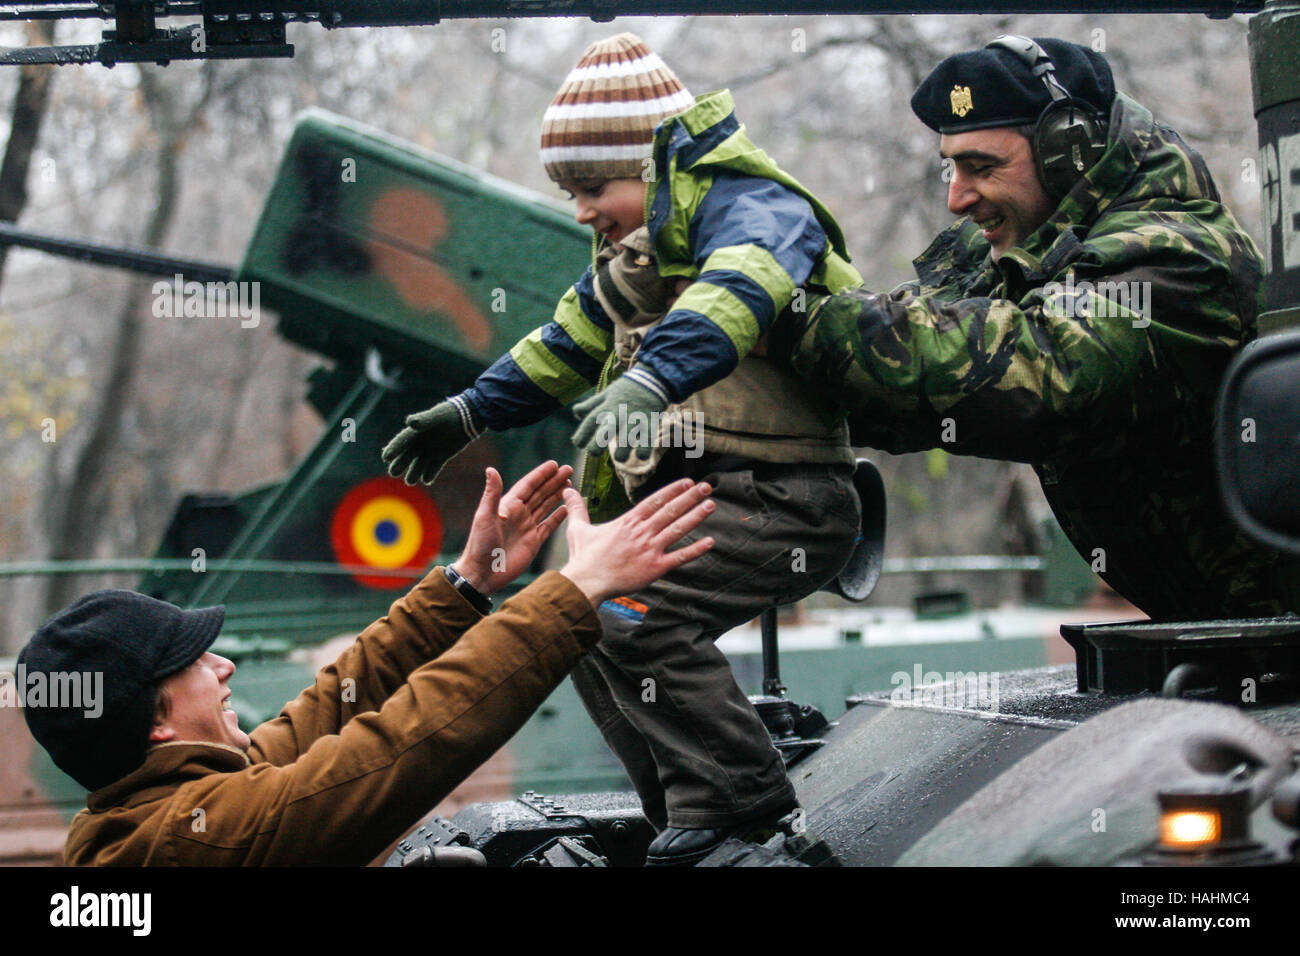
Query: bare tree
{"points": [[24, 129], [76, 509]]}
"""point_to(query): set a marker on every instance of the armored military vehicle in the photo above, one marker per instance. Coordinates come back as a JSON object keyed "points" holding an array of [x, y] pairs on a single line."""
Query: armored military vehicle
{"points": [[1118, 758], [371, 251]]}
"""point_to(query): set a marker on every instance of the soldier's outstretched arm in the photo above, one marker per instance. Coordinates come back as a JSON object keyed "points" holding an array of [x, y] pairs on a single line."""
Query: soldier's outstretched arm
{"points": [[1081, 359]]}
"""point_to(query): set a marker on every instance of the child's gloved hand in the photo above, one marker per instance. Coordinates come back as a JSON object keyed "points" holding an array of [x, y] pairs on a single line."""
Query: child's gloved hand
{"points": [[430, 439], [623, 417]]}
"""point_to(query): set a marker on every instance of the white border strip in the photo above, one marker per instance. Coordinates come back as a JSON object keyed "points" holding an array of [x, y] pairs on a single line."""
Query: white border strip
{"points": [[599, 71], [663, 105]]}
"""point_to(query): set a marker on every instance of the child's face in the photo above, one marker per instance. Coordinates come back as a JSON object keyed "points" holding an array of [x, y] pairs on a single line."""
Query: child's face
{"points": [[612, 207]]}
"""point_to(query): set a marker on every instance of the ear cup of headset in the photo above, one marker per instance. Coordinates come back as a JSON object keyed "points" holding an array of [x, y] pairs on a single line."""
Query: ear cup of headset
{"points": [[1068, 141]]}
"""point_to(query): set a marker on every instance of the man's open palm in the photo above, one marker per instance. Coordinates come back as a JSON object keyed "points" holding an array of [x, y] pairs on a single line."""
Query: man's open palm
{"points": [[508, 530]]}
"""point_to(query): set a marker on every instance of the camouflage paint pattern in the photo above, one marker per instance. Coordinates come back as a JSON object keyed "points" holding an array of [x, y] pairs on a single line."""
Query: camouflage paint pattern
{"points": [[1093, 351]]}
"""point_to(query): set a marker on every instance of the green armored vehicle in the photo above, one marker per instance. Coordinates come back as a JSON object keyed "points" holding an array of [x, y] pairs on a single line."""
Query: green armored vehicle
{"points": [[368, 249], [1097, 762]]}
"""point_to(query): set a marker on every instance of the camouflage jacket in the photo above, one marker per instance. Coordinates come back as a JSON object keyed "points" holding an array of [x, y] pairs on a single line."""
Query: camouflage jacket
{"points": [[1093, 351]]}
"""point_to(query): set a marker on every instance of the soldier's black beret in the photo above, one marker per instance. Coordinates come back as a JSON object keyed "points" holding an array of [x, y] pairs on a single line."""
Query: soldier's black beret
{"points": [[984, 88]]}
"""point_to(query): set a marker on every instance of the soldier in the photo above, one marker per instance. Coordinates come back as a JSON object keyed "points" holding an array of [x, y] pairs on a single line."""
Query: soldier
{"points": [[421, 698], [1078, 317]]}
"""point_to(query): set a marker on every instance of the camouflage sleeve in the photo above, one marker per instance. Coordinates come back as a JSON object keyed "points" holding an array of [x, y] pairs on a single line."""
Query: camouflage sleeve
{"points": [[1141, 316]]}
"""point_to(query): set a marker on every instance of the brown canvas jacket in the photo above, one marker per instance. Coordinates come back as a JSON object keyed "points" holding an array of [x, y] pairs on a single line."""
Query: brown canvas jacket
{"points": [[403, 716]]}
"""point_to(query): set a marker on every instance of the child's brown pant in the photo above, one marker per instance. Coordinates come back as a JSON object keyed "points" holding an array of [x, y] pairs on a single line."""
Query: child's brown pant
{"points": [[664, 696]]}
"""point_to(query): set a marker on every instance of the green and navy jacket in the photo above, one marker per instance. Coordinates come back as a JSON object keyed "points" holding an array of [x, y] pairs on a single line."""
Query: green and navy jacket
{"points": [[721, 213], [1093, 351]]}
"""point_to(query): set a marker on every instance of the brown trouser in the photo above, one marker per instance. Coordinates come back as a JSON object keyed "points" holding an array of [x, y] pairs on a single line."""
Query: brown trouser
{"points": [[664, 696]]}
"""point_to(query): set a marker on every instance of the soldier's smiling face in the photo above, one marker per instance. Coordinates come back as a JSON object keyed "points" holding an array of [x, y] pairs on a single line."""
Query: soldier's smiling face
{"points": [[995, 183]]}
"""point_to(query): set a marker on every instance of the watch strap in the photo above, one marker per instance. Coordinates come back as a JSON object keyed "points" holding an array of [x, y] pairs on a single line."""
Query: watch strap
{"points": [[480, 602]]}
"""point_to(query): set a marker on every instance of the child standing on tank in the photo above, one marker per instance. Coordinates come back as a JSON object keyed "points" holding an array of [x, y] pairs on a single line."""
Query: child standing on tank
{"points": [[679, 199]]}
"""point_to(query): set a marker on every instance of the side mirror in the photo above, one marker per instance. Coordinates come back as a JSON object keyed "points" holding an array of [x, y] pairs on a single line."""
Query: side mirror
{"points": [[1257, 440]]}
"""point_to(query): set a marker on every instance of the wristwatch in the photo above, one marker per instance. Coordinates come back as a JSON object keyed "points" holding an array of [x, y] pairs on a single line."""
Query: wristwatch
{"points": [[479, 601]]}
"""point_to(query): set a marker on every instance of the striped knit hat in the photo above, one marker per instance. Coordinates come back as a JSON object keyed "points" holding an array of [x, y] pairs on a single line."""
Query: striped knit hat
{"points": [[601, 124]]}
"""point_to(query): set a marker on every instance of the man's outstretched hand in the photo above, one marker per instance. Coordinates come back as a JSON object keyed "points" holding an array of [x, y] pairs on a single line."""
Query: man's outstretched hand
{"points": [[508, 531], [626, 554]]}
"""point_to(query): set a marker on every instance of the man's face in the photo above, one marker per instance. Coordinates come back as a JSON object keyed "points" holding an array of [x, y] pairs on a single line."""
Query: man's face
{"points": [[612, 207], [200, 705], [995, 183]]}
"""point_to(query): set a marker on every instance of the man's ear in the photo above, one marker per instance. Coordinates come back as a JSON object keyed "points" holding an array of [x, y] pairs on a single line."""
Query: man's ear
{"points": [[161, 731]]}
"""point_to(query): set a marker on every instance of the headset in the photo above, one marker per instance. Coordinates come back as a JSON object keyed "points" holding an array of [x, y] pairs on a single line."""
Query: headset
{"points": [[1068, 138]]}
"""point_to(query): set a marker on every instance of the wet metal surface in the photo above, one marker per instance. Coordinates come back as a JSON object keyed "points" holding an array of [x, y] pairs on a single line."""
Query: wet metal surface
{"points": [[892, 769], [889, 774]]}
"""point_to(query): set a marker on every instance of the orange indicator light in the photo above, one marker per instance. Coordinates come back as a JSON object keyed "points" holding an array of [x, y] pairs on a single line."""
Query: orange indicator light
{"points": [[1189, 828]]}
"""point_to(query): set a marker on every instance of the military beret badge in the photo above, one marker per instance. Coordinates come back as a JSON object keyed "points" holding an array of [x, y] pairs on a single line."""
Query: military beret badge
{"points": [[961, 100]]}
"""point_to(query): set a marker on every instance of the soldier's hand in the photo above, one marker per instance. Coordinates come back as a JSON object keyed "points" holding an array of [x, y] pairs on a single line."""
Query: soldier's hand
{"points": [[508, 531], [626, 554], [430, 439], [623, 411]]}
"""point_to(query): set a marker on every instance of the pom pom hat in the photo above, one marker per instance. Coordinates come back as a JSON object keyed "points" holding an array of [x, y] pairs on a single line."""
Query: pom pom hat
{"points": [[601, 124]]}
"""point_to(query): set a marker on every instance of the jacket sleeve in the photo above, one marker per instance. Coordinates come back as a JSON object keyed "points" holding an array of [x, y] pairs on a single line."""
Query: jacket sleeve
{"points": [[352, 792], [548, 368], [418, 627], [1141, 315], [754, 242]]}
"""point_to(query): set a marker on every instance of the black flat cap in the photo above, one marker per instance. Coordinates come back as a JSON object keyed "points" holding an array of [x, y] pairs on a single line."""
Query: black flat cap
{"points": [[117, 645], [985, 88]]}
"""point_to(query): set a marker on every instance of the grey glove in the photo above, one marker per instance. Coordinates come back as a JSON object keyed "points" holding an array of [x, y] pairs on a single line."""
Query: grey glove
{"points": [[431, 439], [621, 415]]}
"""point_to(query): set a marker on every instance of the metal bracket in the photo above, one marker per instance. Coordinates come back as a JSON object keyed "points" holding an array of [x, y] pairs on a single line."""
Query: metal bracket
{"points": [[194, 42], [568, 851], [604, 11], [544, 805]]}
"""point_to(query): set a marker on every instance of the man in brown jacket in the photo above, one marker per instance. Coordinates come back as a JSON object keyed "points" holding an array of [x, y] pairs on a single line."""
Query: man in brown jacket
{"points": [[422, 697]]}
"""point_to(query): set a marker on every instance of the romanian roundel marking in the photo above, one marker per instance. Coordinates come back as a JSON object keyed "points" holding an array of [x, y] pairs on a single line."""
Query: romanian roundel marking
{"points": [[385, 523]]}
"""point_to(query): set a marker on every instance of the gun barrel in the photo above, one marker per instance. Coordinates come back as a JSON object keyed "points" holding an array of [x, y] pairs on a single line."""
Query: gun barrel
{"points": [[120, 257]]}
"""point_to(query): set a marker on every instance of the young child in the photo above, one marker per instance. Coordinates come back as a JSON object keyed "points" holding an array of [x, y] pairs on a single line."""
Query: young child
{"points": [[679, 199]]}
